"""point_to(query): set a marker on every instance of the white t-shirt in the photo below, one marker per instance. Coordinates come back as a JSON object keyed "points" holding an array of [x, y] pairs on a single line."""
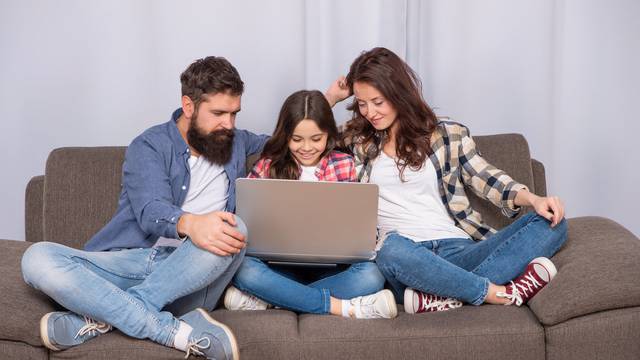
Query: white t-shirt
{"points": [[308, 173], [412, 208], [208, 191]]}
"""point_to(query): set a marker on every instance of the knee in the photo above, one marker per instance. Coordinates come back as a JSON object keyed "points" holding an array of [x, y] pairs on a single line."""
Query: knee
{"points": [[369, 276], [36, 262], [249, 273], [242, 227]]}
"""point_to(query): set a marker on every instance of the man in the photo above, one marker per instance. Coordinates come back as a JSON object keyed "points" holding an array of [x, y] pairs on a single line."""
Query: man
{"points": [[173, 244]]}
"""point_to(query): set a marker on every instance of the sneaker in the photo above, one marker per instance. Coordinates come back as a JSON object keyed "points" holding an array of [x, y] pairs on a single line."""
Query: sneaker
{"points": [[63, 329], [209, 338], [537, 275], [419, 302], [380, 305], [235, 299]]}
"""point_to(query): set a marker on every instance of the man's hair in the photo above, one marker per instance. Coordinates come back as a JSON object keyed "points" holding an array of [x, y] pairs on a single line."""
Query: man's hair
{"points": [[211, 75]]}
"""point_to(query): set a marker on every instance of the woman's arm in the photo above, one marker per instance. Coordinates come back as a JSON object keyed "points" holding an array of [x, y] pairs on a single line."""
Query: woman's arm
{"points": [[337, 91]]}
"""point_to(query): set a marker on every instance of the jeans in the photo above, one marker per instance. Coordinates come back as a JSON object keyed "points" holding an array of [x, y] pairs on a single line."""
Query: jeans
{"points": [[283, 288], [463, 268], [137, 291]]}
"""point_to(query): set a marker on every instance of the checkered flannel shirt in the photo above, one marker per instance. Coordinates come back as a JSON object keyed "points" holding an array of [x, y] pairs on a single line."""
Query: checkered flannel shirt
{"points": [[458, 164], [335, 166]]}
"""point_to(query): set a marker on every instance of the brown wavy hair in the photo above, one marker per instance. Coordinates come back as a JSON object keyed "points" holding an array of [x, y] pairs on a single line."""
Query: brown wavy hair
{"points": [[398, 83], [303, 104]]}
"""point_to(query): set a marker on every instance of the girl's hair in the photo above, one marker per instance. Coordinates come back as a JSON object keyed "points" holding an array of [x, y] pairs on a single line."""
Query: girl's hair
{"points": [[384, 70], [303, 104]]}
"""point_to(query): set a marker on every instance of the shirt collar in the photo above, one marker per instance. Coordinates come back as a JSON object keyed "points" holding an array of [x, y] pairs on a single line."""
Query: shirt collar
{"points": [[179, 144]]}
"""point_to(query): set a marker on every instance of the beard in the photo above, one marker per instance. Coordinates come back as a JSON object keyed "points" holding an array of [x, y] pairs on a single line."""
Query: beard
{"points": [[215, 146]]}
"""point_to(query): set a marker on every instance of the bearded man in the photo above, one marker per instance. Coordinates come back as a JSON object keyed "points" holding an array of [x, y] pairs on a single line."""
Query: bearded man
{"points": [[163, 261]]}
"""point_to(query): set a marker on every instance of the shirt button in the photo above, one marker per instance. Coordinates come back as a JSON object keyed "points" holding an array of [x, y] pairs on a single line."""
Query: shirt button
{"points": [[173, 218], [184, 187]]}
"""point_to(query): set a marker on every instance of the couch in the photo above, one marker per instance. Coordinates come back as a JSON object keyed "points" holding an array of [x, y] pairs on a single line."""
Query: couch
{"points": [[591, 310]]}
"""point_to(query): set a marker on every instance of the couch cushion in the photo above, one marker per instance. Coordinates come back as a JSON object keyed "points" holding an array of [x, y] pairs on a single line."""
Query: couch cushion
{"points": [[269, 334], [21, 306], [485, 332], [82, 186], [508, 152], [11, 350], [598, 270], [604, 335]]}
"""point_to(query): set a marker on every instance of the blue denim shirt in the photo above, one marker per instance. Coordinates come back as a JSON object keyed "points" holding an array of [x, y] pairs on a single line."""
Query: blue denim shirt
{"points": [[155, 182]]}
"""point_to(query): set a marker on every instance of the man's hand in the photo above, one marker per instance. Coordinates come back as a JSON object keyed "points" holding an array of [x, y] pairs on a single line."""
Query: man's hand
{"points": [[337, 91], [214, 232]]}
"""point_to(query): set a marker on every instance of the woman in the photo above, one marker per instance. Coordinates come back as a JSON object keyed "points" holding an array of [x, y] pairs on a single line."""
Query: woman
{"points": [[302, 148], [433, 248]]}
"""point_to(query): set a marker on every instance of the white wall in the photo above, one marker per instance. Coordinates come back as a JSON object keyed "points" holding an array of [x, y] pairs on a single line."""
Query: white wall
{"points": [[563, 73]]}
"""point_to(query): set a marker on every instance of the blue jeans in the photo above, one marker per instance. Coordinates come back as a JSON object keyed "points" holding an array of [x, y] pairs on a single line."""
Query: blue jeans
{"points": [[463, 268], [138, 291], [284, 289]]}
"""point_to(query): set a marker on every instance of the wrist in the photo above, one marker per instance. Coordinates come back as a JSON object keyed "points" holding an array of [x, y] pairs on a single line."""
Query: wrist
{"points": [[332, 101], [184, 225]]}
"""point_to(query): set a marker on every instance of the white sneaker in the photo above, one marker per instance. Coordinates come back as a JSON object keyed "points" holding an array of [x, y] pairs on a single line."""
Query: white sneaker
{"points": [[380, 305], [235, 299]]}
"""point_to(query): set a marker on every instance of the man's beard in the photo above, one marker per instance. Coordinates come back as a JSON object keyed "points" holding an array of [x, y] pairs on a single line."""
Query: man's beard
{"points": [[215, 146]]}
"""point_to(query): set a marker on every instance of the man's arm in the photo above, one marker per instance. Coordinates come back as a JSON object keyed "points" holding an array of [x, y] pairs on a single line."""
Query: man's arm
{"points": [[148, 187]]}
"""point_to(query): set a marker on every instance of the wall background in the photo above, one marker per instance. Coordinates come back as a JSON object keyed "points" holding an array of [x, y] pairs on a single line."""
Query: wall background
{"points": [[564, 73]]}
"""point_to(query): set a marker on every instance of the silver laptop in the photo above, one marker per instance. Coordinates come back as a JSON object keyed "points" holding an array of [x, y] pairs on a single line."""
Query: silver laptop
{"points": [[301, 222]]}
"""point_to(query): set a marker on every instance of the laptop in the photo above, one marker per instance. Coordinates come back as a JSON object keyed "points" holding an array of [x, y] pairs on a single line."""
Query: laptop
{"points": [[308, 223]]}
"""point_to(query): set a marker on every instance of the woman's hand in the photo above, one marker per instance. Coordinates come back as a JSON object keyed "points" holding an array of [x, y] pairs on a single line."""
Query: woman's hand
{"points": [[337, 91], [550, 207]]}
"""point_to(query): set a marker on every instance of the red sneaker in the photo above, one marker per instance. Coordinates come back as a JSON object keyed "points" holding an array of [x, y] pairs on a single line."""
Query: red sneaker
{"points": [[418, 302], [537, 275]]}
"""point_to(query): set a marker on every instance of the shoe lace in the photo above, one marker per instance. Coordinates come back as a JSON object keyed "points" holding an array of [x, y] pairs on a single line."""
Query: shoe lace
{"points": [[439, 303], [363, 305], [91, 327], [251, 302], [195, 347], [521, 289]]}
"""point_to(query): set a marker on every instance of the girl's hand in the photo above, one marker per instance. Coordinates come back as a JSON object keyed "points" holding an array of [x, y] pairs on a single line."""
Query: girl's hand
{"points": [[337, 91]]}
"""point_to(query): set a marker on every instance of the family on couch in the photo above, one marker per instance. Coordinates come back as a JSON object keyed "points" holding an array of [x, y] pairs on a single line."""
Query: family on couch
{"points": [[173, 245]]}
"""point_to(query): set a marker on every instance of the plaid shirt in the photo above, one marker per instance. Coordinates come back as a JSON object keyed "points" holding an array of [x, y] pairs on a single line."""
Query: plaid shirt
{"points": [[335, 166], [458, 164]]}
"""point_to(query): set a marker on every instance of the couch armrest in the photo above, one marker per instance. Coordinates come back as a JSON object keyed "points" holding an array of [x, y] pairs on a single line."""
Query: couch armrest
{"points": [[33, 209], [598, 270], [539, 179]]}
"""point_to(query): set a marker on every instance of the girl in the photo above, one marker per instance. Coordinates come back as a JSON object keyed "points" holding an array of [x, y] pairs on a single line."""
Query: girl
{"points": [[302, 147], [433, 248]]}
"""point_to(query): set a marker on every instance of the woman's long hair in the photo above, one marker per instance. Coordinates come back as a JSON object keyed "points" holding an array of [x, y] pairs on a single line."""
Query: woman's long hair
{"points": [[398, 83], [301, 105]]}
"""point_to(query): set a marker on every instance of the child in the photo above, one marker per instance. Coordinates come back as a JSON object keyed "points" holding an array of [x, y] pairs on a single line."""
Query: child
{"points": [[302, 148]]}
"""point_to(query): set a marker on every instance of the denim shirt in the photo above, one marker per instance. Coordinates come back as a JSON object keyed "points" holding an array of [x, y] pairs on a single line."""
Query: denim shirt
{"points": [[155, 182]]}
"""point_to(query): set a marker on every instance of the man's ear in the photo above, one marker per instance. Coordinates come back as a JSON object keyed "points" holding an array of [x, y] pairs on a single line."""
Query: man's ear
{"points": [[188, 106]]}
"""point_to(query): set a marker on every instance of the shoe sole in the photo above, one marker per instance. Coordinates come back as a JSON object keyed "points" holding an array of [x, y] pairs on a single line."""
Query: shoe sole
{"points": [[548, 265], [44, 334], [391, 300], [408, 301], [234, 343]]}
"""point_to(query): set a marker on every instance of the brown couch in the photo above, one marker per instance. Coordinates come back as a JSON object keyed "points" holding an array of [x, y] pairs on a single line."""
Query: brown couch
{"points": [[591, 310]]}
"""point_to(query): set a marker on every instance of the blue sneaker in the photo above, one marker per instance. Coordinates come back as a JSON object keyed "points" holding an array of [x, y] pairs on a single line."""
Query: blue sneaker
{"points": [[210, 338], [63, 329]]}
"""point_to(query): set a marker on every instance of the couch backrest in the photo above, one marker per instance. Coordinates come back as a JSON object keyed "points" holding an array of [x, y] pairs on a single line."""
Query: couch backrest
{"points": [[82, 185], [81, 189]]}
